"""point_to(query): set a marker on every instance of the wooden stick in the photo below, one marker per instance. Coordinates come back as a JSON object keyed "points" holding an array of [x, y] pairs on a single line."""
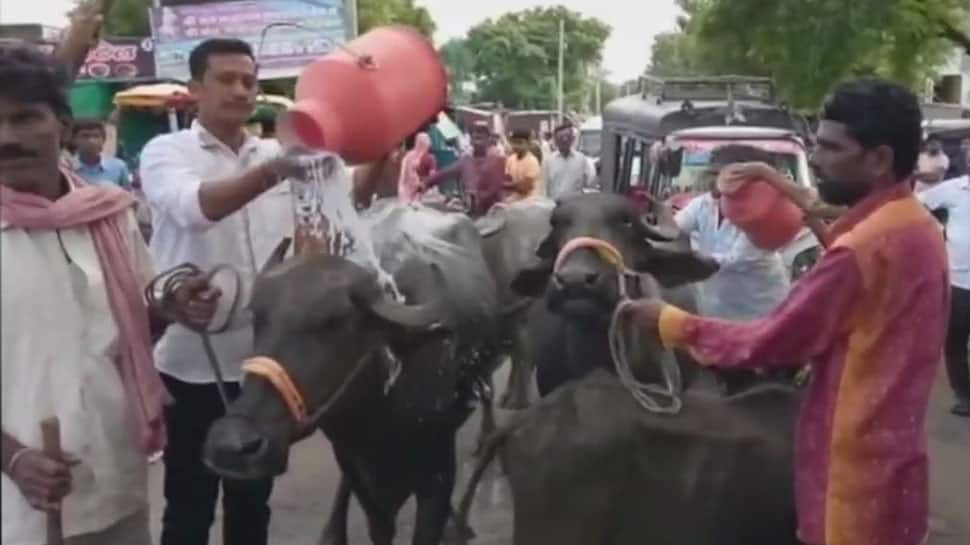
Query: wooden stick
{"points": [[51, 432]]}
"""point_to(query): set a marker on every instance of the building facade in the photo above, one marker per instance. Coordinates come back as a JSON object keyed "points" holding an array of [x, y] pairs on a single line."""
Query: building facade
{"points": [[953, 84]]}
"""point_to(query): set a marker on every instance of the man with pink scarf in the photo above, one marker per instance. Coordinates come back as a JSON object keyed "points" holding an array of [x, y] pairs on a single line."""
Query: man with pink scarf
{"points": [[76, 341]]}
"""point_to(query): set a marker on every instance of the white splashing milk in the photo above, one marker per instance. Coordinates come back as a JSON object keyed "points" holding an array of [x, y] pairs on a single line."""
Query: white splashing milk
{"points": [[325, 216], [390, 234]]}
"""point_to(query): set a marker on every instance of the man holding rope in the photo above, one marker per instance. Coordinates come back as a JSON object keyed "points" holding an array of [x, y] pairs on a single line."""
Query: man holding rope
{"points": [[216, 199], [869, 317]]}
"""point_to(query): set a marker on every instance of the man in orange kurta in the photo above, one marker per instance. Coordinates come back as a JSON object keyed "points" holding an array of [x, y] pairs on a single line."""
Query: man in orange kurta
{"points": [[871, 319], [522, 169]]}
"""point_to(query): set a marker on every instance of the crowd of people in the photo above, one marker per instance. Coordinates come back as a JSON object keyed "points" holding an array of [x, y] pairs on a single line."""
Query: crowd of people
{"points": [[498, 169], [75, 264]]}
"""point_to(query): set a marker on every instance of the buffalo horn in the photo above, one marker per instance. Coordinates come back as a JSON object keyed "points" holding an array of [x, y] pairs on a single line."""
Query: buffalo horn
{"points": [[659, 233], [276, 257], [423, 316]]}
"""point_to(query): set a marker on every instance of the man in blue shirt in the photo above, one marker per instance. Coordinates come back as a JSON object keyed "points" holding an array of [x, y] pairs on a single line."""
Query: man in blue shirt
{"points": [[90, 164]]}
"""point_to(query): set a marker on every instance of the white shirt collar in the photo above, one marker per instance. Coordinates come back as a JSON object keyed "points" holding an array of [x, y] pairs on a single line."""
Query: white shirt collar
{"points": [[209, 141]]}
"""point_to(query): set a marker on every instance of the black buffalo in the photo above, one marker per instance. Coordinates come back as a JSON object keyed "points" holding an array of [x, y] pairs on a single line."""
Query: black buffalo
{"points": [[510, 235], [399, 379], [587, 464], [568, 326]]}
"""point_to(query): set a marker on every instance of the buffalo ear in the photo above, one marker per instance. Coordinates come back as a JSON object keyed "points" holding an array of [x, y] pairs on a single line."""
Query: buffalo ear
{"points": [[673, 268], [660, 232], [531, 281], [548, 248]]}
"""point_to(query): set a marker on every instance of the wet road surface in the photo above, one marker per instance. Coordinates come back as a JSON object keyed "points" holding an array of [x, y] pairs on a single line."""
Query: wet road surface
{"points": [[302, 498]]}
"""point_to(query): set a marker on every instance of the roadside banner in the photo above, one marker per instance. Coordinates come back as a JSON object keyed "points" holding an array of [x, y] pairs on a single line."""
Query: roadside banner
{"points": [[282, 50], [120, 59]]}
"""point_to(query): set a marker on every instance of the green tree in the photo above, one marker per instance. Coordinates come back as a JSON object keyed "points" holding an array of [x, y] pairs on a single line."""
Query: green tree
{"points": [[460, 61], [807, 47], [516, 57], [128, 18], [608, 92], [372, 13], [683, 52], [672, 55]]}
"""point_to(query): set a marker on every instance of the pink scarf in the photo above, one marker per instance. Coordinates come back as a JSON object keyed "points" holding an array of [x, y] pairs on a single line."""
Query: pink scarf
{"points": [[416, 160], [102, 208]]}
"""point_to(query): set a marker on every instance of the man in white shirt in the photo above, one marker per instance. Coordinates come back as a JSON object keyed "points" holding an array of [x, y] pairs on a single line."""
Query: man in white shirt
{"points": [[567, 171], [933, 164], [215, 199], [751, 282], [76, 341], [954, 197]]}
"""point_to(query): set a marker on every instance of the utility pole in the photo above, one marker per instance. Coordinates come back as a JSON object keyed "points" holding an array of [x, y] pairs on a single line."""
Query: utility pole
{"points": [[599, 91], [562, 48], [351, 12]]}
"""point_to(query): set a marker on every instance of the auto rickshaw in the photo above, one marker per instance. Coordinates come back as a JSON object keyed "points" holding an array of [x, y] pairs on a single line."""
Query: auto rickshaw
{"points": [[656, 144]]}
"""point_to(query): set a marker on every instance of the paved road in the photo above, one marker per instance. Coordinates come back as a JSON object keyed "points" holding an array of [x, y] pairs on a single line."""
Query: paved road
{"points": [[302, 497]]}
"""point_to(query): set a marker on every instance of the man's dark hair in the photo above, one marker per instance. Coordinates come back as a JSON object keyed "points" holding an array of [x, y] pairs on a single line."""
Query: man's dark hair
{"points": [[32, 77], [564, 127], [88, 125], [740, 153], [521, 135], [880, 113], [199, 57], [480, 127]]}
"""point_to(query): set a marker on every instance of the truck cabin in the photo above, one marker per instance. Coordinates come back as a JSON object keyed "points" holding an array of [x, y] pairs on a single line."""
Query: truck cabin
{"points": [[636, 128], [682, 165]]}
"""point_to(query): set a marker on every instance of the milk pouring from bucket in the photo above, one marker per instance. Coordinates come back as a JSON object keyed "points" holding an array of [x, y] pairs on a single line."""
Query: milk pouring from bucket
{"points": [[363, 100], [318, 206], [360, 102], [325, 218]]}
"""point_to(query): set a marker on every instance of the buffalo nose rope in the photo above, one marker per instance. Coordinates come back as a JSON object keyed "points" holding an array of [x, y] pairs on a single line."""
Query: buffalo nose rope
{"points": [[655, 398]]}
